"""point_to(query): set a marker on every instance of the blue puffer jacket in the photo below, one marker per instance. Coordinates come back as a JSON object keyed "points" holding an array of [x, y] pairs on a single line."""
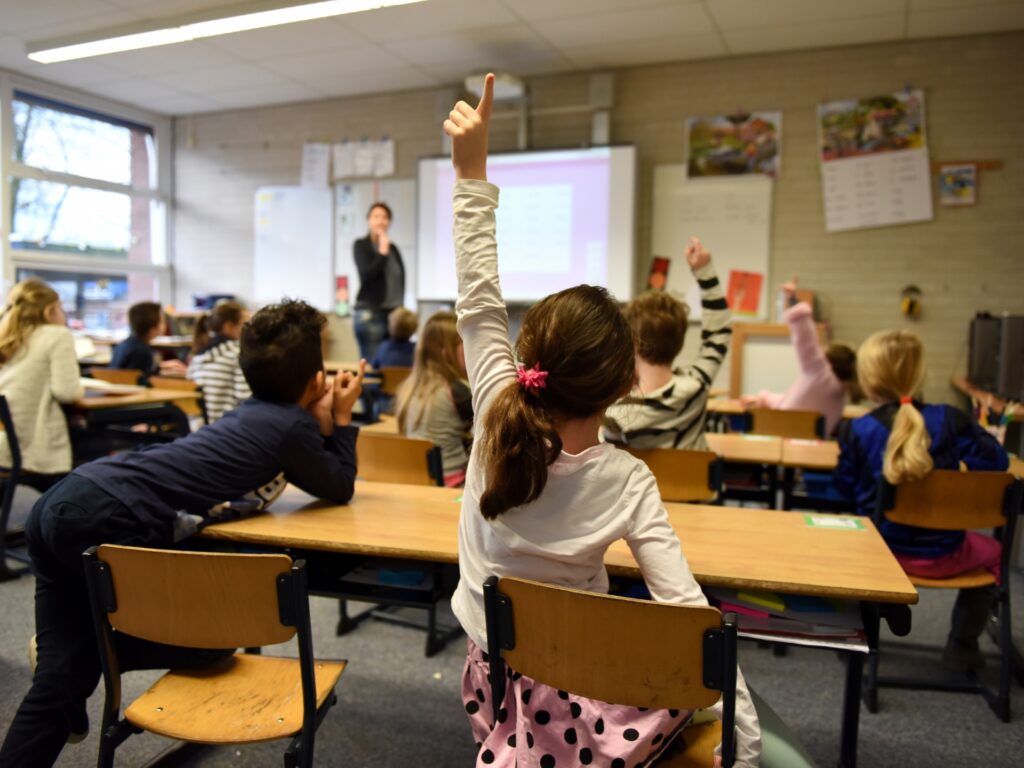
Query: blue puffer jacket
{"points": [[954, 439]]}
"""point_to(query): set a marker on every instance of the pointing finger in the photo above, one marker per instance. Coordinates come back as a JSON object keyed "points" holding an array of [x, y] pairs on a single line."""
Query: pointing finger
{"points": [[487, 99]]}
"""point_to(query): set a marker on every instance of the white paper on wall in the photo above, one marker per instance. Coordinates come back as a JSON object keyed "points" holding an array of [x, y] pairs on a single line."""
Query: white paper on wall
{"points": [[385, 158], [365, 158], [316, 164], [344, 155]]}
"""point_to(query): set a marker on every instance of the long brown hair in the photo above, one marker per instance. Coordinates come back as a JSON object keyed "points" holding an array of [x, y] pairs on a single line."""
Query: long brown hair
{"points": [[583, 341], [224, 312], [435, 365], [25, 311], [890, 367]]}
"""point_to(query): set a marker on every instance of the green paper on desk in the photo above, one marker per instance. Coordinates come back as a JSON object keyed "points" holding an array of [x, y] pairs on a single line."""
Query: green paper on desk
{"points": [[834, 521]]}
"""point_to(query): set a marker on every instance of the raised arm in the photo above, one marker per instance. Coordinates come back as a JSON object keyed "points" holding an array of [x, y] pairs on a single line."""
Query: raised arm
{"points": [[482, 317], [716, 323]]}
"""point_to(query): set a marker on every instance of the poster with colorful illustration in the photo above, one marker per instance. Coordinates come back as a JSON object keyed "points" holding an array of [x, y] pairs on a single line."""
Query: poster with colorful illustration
{"points": [[734, 145], [958, 184], [874, 161], [744, 294]]}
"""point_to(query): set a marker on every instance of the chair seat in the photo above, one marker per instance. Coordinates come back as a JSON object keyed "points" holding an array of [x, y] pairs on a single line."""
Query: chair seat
{"points": [[979, 577], [701, 740], [247, 698]]}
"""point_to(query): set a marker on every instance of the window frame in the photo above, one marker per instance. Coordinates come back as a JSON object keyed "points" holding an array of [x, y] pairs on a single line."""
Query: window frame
{"points": [[13, 258]]}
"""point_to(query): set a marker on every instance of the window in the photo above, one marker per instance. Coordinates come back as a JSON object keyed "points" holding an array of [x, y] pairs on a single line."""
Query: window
{"points": [[85, 201]]}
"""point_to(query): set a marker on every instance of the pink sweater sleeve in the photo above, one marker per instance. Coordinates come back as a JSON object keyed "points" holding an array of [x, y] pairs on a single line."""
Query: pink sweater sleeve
{"points": [[805, 338]]}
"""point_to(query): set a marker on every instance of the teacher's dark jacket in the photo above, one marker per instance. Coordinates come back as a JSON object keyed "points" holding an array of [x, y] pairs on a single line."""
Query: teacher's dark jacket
{"points": [[372, 266]]}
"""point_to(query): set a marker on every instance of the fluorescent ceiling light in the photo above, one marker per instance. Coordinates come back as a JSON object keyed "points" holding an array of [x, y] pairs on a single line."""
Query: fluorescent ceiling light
{"points": [[181, 33]]}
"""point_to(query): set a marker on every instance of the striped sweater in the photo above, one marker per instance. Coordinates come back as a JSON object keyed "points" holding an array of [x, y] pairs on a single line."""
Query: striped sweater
{"points": [[216, 370], [673, 416]]}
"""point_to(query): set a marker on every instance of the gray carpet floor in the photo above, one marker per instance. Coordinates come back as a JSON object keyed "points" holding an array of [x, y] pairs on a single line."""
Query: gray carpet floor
{"points": [[397, 708]]}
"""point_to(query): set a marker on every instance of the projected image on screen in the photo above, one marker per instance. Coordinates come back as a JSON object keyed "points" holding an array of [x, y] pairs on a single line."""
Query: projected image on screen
{"points": [[564, 217]]}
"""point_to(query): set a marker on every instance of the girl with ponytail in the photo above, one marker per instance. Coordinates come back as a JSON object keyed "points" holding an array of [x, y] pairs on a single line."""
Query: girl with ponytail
{"points": [[214, 365], [544, 498], [902, 440], [38, 373]]}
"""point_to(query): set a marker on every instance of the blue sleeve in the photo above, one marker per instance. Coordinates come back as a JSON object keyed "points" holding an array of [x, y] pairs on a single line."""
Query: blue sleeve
{"points": [[324, 467], [975, 447], [850, 461]]}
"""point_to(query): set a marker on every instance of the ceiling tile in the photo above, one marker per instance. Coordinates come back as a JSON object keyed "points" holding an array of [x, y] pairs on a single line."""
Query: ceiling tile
{"points": [[288, 40], [436, 17], [616, 54], [749, 14], [165, 59], [21, 16], [966, 21], [240, 98], [374, 82], [815, 35], [161, 9], [326, 64], [138, 92], [184, 105], [931, 5], [538, 10], [220, 79], [626, 26]]}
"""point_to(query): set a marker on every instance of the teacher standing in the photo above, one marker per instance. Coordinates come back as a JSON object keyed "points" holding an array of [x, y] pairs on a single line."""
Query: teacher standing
{"points": [[381, 281]]}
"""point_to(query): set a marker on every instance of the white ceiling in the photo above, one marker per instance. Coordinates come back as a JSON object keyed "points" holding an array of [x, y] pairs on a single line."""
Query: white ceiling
{"points": [[441, 41]]}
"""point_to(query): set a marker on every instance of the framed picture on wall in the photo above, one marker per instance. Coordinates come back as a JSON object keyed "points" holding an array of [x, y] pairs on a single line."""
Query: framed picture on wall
{"points": [[958, 184]]}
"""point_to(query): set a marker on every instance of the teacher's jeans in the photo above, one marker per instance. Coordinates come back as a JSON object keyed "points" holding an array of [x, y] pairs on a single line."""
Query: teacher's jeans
{"points": [[69, 518], [371, 327]]}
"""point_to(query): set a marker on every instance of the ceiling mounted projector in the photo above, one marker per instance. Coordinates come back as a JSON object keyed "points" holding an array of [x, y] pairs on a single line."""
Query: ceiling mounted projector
{"points": [[506, 87]]}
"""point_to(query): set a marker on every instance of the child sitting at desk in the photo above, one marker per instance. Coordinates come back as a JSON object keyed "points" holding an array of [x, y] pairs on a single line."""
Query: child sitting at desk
{"points": [[146, 322], [38, 373], [827, 375], [434, 403], [544, 497], [214, 364], [396, 351], [294, 423], [904, 439]]}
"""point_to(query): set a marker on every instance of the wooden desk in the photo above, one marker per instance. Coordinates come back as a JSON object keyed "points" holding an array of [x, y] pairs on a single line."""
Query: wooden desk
{"points": [[102, 401], [1017, 466], [810, 454], [333, 366], [746, 449], [388, 425], [725, 547], [732, 407]]}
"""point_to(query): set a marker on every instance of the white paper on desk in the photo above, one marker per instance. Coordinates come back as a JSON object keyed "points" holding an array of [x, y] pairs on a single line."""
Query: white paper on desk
{"points": [[859, 645], [384, 164], [316, 164], [344, 155], [97, 385], [365, 158]]}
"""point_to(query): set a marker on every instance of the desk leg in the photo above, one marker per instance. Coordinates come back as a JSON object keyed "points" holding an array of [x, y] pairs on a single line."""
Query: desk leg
{"points": [[851, 710], [788, 481]]}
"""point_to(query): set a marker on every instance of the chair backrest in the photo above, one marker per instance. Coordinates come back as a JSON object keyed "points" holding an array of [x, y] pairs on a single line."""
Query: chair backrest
{"points": [[194, 599], [117, 375], [387, 458], [950, 500], [683, 475], [7, 422], [190, 407], [802, 425], [391, 379]]}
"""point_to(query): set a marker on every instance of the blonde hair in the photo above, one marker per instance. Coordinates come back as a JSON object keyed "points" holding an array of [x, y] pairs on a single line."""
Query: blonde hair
{"points": [[402, 324], [25, 311], [435, 365], [890, 367]]}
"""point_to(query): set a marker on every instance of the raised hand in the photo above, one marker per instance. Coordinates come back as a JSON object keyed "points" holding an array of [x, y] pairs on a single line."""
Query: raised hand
{"points": [[789, 291], [468, 129], [383, 243], [695, 254], [346, 390]]}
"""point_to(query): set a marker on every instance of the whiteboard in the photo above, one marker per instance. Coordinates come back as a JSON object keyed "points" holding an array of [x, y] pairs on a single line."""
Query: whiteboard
{"points": [[292, 255], [732, 217], [352, 201]]}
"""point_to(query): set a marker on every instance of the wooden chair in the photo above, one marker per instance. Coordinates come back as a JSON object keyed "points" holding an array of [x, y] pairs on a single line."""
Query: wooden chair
{"points": [[391, 379], [190, 407], [386, 458], [637, 653], [206, 600], [10, 476], [802, 425], [949, 500], [682, 475], [117, 375]]}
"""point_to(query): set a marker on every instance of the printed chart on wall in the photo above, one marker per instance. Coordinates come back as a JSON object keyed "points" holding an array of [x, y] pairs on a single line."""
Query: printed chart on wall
{"points": [[874, 161], [732, 218]]}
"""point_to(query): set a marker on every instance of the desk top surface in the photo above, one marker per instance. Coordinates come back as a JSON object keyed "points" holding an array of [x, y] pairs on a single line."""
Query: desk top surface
{"points": [[100, 400], [725, 546], [733, 407], [735, 446], [810, 454]]}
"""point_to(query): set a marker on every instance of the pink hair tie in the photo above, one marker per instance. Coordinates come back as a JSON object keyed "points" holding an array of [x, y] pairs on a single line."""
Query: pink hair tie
{"points": [[906, 400], [532, 379]]}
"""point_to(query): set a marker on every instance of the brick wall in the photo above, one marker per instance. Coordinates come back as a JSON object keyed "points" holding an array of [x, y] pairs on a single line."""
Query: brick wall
{"points": [[964, 260]]}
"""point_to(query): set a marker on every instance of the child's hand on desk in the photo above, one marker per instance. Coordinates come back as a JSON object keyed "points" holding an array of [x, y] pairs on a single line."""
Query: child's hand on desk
{"points": [[468, 129], [321, 408], [695, 254], [173, 365], [346, 390]]}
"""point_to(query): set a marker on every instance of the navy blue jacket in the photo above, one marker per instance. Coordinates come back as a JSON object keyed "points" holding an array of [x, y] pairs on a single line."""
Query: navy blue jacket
{"points": [[394, 354], [135, 354], [243, 450], [954, 439]]}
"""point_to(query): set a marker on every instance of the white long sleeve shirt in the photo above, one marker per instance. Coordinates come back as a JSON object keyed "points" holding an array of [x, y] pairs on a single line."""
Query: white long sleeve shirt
{"points": [[41, 376], [591, 499]]}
